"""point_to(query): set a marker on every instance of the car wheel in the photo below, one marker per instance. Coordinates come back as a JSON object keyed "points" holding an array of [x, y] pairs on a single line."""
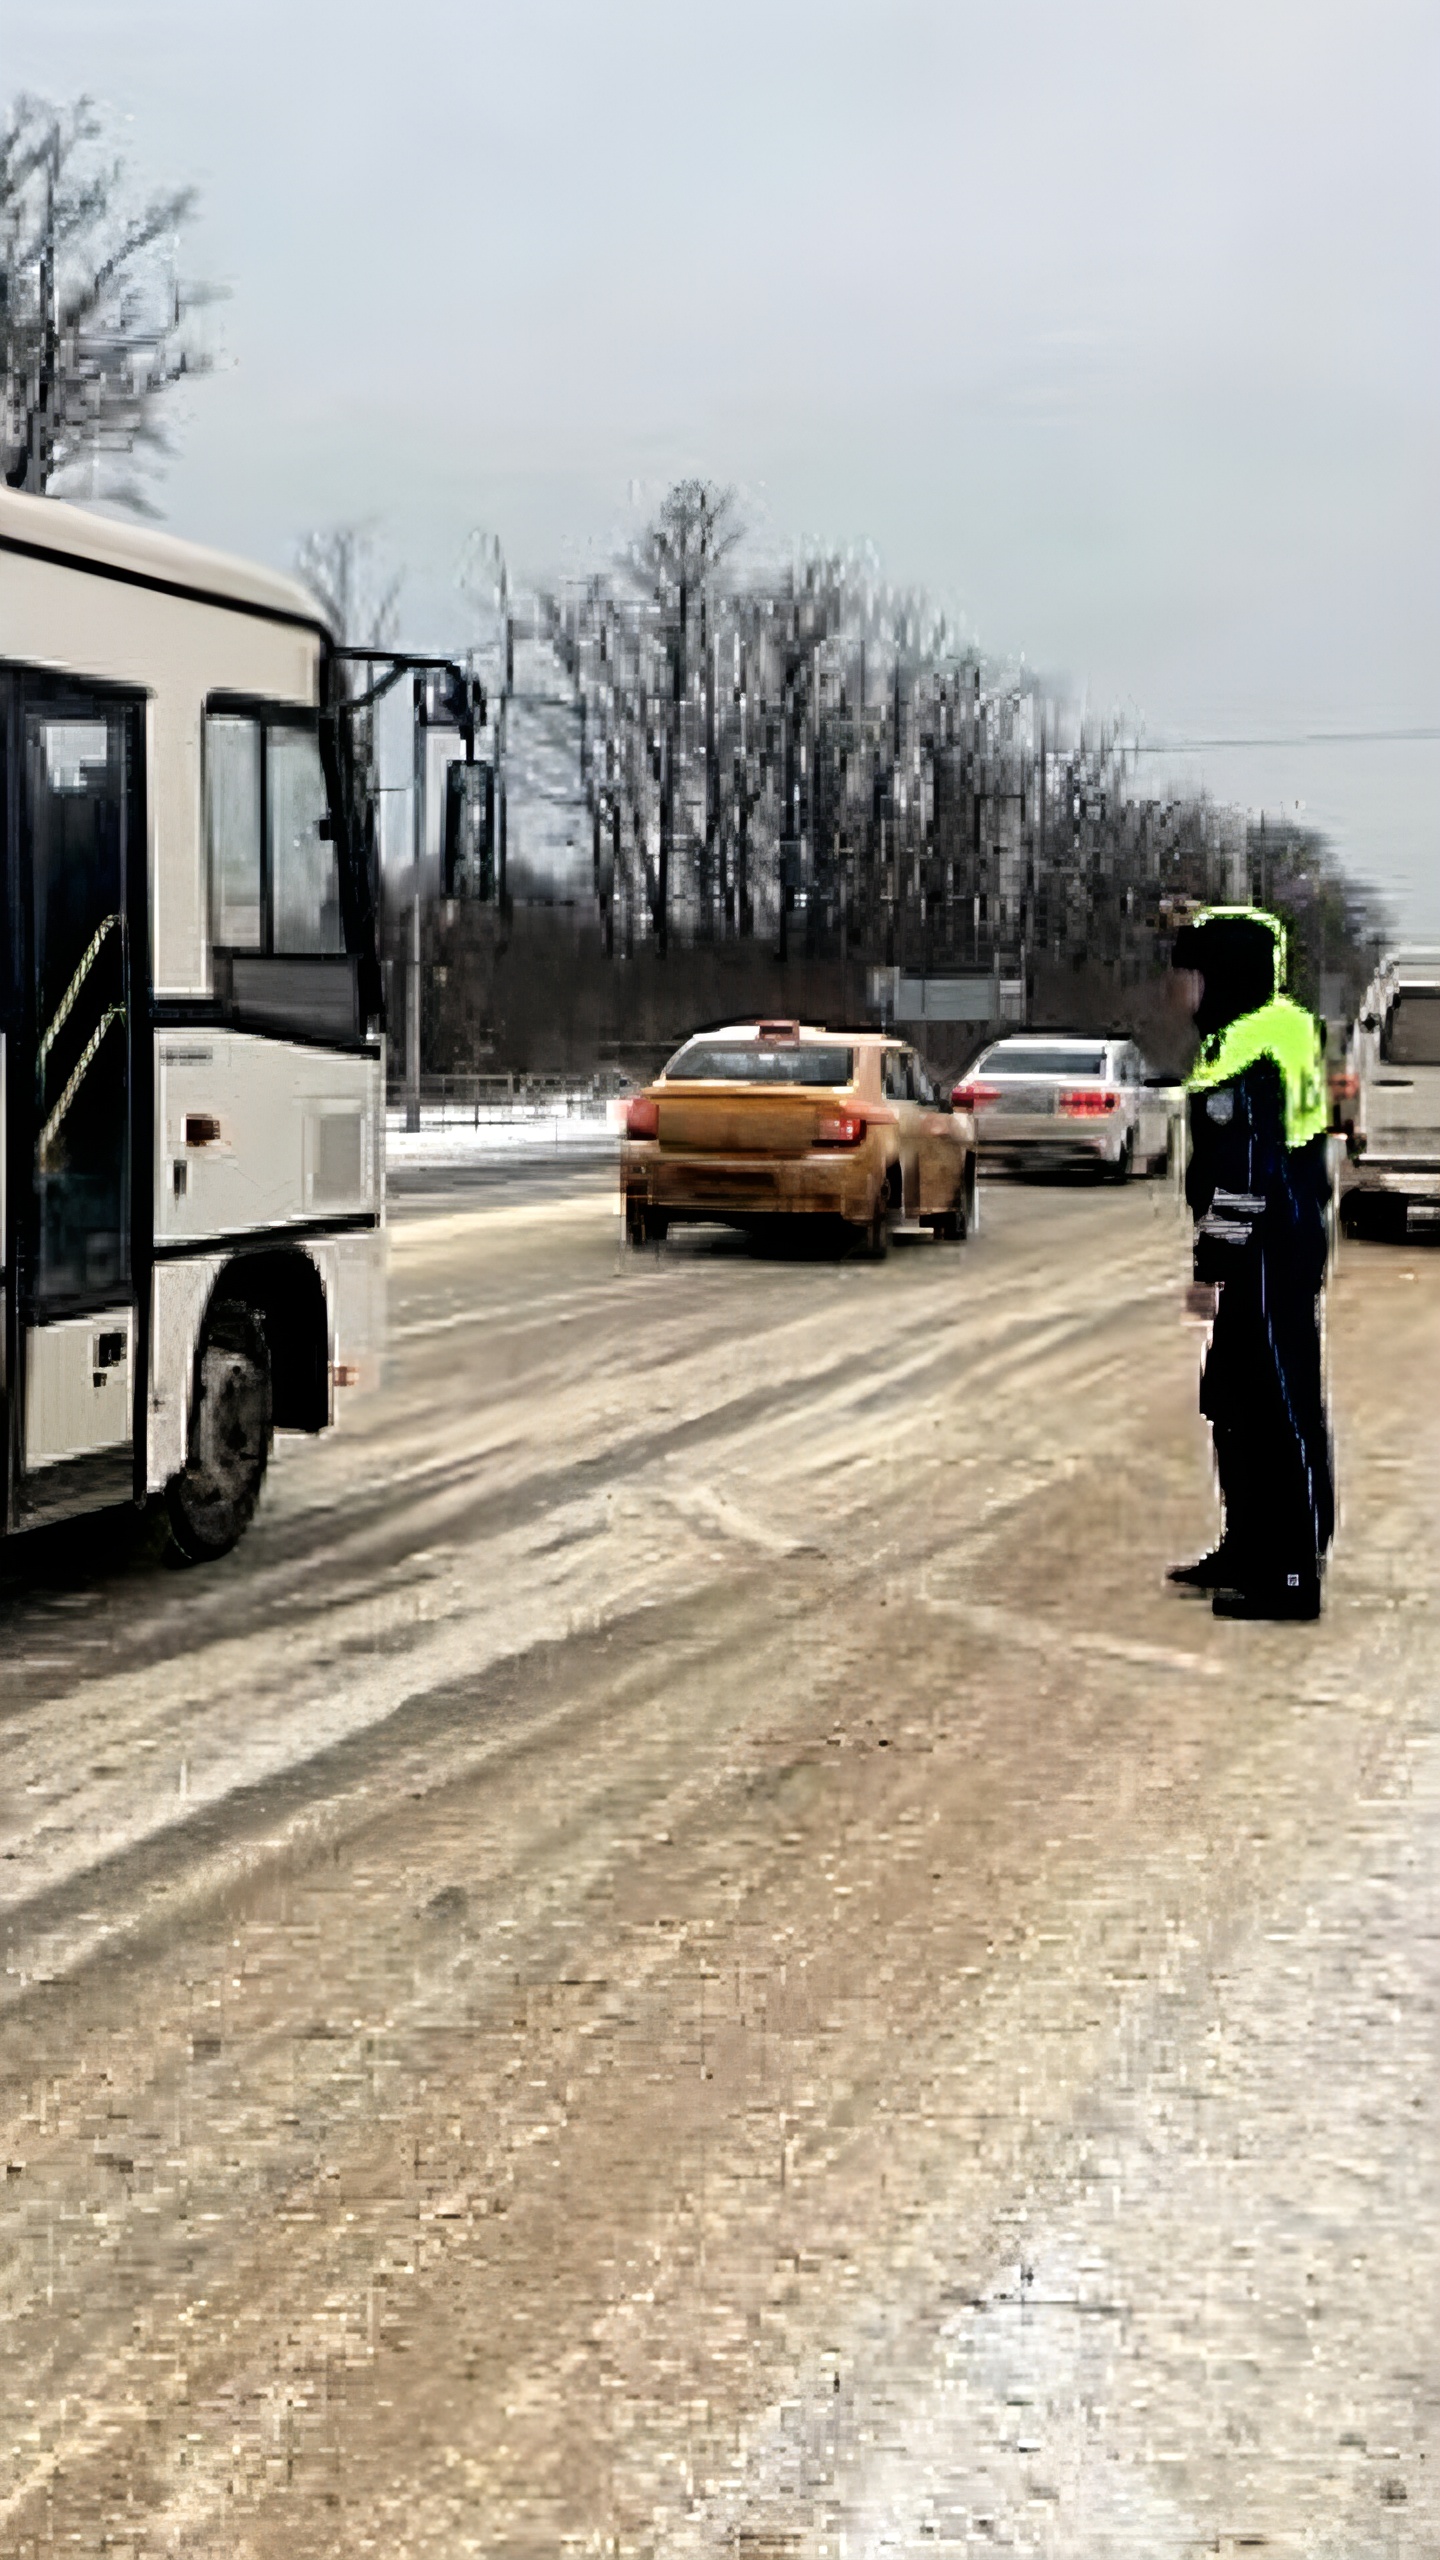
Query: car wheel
{"points": [[882, 1219], [644, 1226], [1378, 1216], [959, 1222], [211, 1502], [1393, 1225], [1124, 1164]]}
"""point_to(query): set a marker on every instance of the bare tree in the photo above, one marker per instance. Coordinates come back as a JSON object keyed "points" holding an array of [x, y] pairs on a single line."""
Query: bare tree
{"points": [[339, 567], [95, 323], [675, 563]]}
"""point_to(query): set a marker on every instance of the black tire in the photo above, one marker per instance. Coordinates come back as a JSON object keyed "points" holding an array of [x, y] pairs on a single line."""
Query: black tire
{"points": [[1379, 1216], [882, 1219], [644, 1226], [212, 1500], [1124, 1164], [959, 1222]]}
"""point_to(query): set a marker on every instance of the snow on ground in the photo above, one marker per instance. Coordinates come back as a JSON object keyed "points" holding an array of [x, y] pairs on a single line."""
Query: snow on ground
{"points": [[455, 1136]]}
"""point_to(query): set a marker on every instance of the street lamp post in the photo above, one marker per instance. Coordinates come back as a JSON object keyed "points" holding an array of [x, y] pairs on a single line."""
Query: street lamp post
{"points": [[412, 989]]}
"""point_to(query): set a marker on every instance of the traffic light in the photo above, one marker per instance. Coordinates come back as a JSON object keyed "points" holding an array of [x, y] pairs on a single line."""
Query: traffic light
{"points": [[467, 866]]}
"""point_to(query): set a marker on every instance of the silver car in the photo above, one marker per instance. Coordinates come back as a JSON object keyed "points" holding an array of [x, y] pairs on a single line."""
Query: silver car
{"points": [[1055, 1099]]}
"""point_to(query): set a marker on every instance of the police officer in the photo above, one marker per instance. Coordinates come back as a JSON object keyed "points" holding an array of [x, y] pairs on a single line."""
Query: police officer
{"points": [[1258, 1188]]}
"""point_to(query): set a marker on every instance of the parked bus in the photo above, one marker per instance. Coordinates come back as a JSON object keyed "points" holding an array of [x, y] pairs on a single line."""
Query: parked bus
{"points": [[191, 1029]]}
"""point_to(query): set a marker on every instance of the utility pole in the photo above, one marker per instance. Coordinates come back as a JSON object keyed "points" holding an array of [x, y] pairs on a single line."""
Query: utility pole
{"points": [[412, 988], [503, 734], [496, 599]]}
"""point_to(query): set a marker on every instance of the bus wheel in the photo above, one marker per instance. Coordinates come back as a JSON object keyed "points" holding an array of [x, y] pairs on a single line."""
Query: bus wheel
{"points": [[212, 1500]]}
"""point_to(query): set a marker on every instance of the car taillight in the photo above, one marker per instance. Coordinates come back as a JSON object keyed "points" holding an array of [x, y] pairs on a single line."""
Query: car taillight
{"points": [[840, 1128], [1087, 1103], [642, 1117], [973, 1097]]}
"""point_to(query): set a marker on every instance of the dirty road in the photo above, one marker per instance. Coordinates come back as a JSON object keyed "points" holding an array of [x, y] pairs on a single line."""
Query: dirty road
{"points": [[686, 1952]]}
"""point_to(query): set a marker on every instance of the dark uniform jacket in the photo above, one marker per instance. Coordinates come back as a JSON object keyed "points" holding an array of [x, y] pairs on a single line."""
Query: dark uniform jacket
{"points": [[1260, 1211]]}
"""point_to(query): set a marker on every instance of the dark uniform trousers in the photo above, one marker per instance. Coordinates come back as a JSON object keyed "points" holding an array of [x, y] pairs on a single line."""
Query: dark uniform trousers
{"points": [[1260, 1211]]}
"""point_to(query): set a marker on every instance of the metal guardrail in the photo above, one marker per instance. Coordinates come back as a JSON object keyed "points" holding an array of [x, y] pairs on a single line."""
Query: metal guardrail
{"points": [[453, 1101]]}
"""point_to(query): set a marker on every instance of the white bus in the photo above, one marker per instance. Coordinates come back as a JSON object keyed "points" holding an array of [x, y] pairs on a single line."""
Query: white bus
{"points": [[191, 1054]]}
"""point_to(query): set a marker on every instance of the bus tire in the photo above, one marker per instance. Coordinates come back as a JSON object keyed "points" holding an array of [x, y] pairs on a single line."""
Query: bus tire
{"points": [[211, 1502]]}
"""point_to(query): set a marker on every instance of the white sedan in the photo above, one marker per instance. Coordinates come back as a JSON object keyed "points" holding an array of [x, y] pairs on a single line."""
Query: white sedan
{"points": [[1051, 1099]]}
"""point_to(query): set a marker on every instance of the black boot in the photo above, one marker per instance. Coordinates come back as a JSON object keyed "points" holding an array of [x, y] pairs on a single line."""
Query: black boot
{"points": [[1219, 1571], [1292, 1596]]}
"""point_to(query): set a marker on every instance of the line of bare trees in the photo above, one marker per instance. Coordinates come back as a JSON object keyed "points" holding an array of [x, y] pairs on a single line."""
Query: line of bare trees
{"points": [[810, 759]]}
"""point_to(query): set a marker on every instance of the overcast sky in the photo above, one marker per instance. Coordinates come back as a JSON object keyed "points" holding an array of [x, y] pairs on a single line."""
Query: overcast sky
{"points": [[1113, 326]]}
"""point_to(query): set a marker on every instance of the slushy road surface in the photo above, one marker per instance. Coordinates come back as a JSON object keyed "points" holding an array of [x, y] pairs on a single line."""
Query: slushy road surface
{"points": [[686, 1952]]}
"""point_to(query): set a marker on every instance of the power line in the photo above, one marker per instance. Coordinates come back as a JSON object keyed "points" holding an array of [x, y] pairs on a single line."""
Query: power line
{"points": [[1296, 738]]}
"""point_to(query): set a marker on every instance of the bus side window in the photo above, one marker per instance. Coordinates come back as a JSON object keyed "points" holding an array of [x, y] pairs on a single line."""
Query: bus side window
{"points": [[274, 878], [305, 882], [232, 814]]}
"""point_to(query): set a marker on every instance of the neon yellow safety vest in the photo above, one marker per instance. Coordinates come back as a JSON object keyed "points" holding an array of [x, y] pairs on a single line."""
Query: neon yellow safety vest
{"points": [[1281, 1030]]}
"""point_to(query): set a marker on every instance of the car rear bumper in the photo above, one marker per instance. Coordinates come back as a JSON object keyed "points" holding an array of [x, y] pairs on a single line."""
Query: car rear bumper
{"points": [[1054, 1149], [1402, 1177], [815, 1185]]}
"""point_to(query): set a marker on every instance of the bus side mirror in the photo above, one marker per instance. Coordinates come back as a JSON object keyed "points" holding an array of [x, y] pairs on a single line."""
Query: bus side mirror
{"points": [[467, 863]]}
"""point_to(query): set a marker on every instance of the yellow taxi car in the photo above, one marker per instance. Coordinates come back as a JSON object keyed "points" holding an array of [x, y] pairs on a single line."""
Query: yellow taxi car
{"points": [[781, 1119]]}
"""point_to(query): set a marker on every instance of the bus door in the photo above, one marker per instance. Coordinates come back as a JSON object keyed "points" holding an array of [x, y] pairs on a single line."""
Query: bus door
{"points": [[76, 862]]}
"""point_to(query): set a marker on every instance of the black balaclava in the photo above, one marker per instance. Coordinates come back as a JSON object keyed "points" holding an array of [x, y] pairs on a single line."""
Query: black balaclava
{"points": [[1236, 958]]}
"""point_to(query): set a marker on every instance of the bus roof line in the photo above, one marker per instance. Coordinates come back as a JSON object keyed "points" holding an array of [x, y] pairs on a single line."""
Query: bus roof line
{"points": [[119, 572]]}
